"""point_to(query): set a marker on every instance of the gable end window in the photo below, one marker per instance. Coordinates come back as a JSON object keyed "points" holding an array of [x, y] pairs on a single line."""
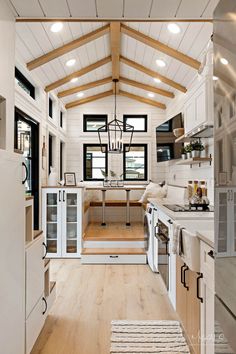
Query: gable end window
{"points": [[50, 107], [92, 122], [139, 122], [135, 162], [24, 83]]}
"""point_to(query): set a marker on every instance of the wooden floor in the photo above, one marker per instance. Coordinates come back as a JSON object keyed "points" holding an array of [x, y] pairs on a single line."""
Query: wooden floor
{"points": [[90, 296], [114, 231]]}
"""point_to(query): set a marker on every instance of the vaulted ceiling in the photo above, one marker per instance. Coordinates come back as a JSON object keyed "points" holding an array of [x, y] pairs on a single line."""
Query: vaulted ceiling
{"points": [[106, 50]]}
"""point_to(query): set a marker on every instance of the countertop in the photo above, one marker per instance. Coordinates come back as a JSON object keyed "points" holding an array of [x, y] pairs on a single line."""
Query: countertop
{"points": [[125, 187], [207, 236], [63, 187]]}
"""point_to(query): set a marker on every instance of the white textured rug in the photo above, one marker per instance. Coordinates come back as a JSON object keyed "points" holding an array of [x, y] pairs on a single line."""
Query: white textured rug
{"points": [[147, 337]]}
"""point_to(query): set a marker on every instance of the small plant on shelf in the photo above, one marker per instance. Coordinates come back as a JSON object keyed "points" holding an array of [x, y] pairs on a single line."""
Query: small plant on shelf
{"points": [[183, 154], [197, 148], [188, 150]]}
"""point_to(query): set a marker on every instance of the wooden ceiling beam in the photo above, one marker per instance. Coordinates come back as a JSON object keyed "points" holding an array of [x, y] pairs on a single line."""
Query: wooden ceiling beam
{"points": [[142, 99], [147, 87], [78, 73], [160, 46], [43, 59], [153, 74], [88, 99], [77, 19], [85, 87], [115, 52]]}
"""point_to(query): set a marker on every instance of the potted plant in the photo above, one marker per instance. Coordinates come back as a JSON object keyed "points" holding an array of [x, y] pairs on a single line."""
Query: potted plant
{"points": [[197, 148], [183, 154], [188, 150], [113, 181], [105, 181]]}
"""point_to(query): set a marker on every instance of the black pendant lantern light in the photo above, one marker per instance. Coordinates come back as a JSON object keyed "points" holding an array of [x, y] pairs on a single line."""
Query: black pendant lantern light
{"points": [[115, 130]]}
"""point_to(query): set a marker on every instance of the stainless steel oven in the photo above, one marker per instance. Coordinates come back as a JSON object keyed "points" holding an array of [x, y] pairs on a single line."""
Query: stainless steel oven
{"points": [[162, 249]]}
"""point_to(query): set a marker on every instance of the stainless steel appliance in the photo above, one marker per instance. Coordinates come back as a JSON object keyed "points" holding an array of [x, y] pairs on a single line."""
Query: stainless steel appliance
{"points": [[163, 244], [224, 40], [148, 230]]}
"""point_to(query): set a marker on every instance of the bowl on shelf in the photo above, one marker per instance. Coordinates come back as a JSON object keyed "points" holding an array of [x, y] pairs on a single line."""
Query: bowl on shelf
{"points": [[178, 132], [71, 218], [69, 201], [71, 234], [54, 217], [51, 235]]}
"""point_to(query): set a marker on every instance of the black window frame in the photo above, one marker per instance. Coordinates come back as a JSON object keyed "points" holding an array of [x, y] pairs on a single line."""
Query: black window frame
{"points": [[85, 146], [25, 82], [98, 117], [50, 107], [61, 159], [61, 119], [145, 162], [50, 152], [138, 116]]}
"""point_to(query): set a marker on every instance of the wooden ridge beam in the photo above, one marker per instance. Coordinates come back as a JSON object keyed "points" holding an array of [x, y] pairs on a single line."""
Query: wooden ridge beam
{"points": [[78, 73], [84, 87], [147, 87], [55, 53], [107, 19], [115, 51], [142, 99], [160, 46], [88, 99], [152, 73]]}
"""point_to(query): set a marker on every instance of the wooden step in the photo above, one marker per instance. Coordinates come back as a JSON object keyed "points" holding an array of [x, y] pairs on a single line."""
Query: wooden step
{"points": [[105, 251]]}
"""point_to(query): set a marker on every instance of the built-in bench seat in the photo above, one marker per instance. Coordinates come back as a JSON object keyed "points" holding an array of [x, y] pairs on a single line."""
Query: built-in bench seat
{"points": [[113, 203]]}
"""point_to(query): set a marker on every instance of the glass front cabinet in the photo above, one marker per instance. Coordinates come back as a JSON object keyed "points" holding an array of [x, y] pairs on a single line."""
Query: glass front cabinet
{"points": [[62, 221]]}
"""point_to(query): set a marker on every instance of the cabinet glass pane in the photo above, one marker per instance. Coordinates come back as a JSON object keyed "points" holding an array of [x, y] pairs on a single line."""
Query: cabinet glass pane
{"points": [[71, 222], [234, 241], [52, 215], [222, 223]]}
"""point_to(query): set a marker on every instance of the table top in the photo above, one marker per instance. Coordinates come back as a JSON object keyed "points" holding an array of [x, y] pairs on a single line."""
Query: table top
{"points": [[124, 188]]}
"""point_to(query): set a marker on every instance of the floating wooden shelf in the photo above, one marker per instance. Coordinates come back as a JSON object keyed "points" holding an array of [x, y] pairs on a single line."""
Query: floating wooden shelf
{"points": [[183, 139], [195, 161]]}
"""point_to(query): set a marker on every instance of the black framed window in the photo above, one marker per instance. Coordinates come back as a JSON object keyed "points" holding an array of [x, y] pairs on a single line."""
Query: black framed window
{"points": [[139, 122], [95, 162], [24, 83], [92, 122], [135, 162], [61, 119], [61, 159], [50, 107], [50, 152]]}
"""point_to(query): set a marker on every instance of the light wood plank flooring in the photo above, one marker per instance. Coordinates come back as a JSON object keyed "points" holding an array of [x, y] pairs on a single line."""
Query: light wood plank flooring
{"points": [[115, 231], [90, 296]]}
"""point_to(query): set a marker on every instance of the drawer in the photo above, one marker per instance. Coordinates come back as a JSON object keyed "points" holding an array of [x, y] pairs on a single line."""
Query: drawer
{"points": [[207, 264], [34, 324], [114, 259]]}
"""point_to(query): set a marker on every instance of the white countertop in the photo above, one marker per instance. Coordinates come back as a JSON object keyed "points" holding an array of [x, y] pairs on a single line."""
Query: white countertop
{"points": [[207, 236], [125, 187]]}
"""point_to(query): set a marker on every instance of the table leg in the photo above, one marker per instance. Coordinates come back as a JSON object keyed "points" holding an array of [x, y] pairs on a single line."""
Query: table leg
{"points": [[103, 207], [127, 207]]}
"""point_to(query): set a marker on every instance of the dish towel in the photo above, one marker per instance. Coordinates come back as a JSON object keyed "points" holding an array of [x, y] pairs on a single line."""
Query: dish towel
{"points": [[177, 244]]}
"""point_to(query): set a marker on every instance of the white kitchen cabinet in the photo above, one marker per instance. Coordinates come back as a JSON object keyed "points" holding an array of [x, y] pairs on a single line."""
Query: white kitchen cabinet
{"points": [[198, 108], [207, 293], [225, 221], [62, 221]]}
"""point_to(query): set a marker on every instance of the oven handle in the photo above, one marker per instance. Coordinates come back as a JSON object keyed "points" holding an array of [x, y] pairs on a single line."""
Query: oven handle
{"points": [[163, 238]]}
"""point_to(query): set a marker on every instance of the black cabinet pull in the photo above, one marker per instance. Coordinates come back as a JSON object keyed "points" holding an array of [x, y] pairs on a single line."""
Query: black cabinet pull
{"points": [[181, 274], [46, 250], [26, 173], [113, 256], [59, 196], [64, 193], [184, 280], [198, 286], [211, 254], [170, 221], [46, 305]]}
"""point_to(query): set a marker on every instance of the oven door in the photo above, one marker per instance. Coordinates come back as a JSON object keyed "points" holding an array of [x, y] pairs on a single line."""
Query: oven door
{"points": [[163, 254]]}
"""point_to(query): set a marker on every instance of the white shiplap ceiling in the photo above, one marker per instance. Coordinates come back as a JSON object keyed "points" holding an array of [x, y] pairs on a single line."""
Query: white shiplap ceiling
{"points": [[132, 9]]}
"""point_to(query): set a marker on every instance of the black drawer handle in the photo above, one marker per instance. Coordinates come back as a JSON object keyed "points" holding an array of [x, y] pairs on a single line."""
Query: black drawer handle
{"points": [[46, 305], [26, 173], [198, 286], [46, 250], [211, 254], [114, 256], [64, 196], [59, 196], [170, 221], [184, 279], [181, 274]]}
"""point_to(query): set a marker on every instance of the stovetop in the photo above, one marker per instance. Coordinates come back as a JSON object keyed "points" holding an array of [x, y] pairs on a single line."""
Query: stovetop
{"points": [[187, 208]]}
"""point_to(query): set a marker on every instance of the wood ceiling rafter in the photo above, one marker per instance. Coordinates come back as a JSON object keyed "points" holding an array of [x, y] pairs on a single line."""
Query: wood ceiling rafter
{"points": [[66, 48], [153, 74], [84, 87], [142, 99], [88, 99], [78, 73], [141, 37], [147, 87], [77, 19], [115, 51]]}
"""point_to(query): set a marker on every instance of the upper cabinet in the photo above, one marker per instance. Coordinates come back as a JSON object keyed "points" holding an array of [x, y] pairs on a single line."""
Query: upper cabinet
{"points": [[198, 107]]}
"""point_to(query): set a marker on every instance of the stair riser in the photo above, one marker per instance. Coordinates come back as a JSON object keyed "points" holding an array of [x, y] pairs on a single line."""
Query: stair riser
{"points": [[114, 244], [114, 259]]}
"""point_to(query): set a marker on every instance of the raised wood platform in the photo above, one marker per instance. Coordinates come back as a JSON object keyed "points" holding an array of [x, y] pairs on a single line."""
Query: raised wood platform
{"points": [[112, 251]]}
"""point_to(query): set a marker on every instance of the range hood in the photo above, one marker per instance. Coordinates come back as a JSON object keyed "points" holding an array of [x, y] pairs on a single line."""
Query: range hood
{"points": [[203, 131]]}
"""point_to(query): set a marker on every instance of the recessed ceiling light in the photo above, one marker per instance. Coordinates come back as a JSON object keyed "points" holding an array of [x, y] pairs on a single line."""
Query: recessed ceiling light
{"points": [[80, 94], [160, 63], [70, 62], [56, 27], [215, 78], [173, 28], [157, 80], [224, 61], [150, 94], [74, 79]]}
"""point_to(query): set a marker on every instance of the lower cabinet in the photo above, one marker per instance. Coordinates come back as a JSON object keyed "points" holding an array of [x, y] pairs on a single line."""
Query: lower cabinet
{"points": [[188, 303]]}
